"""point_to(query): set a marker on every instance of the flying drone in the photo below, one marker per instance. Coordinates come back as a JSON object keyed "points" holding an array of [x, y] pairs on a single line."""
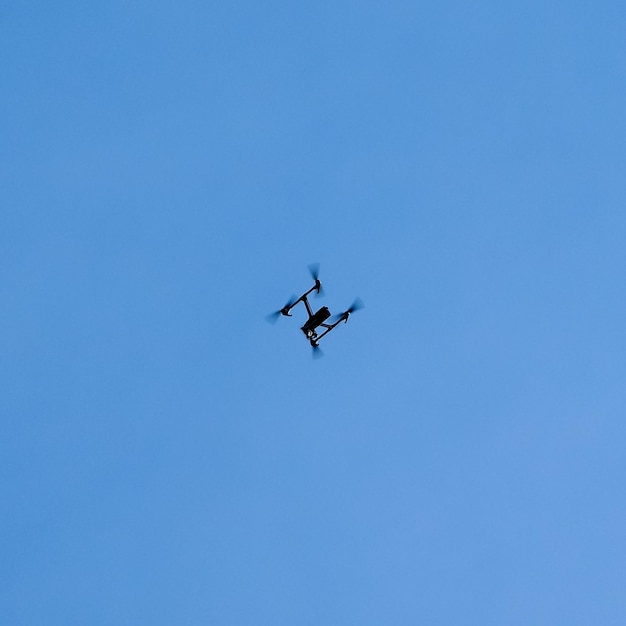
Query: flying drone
{"points": [[318, 325]]}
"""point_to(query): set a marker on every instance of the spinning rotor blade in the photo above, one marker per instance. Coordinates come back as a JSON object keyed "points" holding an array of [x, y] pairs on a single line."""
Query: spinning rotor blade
{"points": [[314, 268], [272, 317], [355, 306], [317, 352]]}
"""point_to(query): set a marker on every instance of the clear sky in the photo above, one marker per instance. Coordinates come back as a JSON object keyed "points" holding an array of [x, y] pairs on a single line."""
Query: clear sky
{"points": [[168, 169]]}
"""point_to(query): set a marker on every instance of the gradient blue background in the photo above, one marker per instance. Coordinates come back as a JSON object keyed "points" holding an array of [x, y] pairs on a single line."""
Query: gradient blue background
{"points": [[167, 171]]}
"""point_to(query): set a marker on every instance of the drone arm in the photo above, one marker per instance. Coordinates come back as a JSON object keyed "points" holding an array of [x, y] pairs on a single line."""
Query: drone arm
{"points": [[306, 303], [304, 296], [329, 327]]}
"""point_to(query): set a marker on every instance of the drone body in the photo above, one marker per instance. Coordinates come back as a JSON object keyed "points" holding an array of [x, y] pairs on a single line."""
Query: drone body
{"points": [[316, 319]]}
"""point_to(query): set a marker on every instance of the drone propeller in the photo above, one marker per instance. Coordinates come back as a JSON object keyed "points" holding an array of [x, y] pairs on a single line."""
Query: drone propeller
{"points": [[314, 268], [317, 351], [272, 317], [355, 306]]}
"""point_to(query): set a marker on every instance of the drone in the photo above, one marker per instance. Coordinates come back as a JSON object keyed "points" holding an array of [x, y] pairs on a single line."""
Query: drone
{"points": [[319, 319]]}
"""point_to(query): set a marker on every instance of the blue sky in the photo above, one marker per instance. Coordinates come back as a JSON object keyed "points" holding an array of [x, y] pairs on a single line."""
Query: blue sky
{"points": [[167, 172]]}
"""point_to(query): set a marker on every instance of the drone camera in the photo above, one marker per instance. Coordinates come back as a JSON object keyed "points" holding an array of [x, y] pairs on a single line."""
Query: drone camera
{"points": [[315, 320]]}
